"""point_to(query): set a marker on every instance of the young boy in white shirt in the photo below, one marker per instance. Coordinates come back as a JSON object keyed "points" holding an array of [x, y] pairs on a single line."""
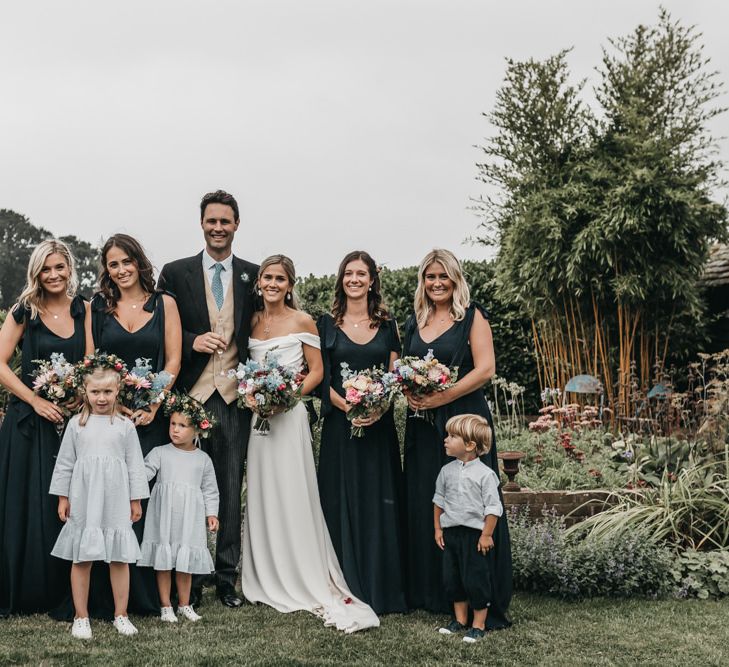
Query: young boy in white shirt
{"points": [[466, 507]]}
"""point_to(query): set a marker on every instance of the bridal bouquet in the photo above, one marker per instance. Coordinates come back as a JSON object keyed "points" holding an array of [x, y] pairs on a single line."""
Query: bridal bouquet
{"points": [[265, 387], [141, 387], [421, 376], [368, 392], [56, 381]]}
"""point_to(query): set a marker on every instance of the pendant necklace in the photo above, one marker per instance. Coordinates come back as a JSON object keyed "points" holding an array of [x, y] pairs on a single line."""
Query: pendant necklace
{"points": [[142, 300], [268, 320], [358, 322]]}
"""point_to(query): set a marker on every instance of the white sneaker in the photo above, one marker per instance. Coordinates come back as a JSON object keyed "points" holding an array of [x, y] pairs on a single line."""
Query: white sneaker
{"points": [[124, 626], [167, 614], [81, 628], [189, 613]]}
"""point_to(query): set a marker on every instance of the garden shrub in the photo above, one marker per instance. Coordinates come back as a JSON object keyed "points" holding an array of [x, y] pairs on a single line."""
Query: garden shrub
{"points": [[546, 561], [702, 574]]}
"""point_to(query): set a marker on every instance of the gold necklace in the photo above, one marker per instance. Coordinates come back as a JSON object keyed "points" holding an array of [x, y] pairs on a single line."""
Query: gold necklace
{"points": [[144, 298], [356, 323], [268, 320], [50, 312]]}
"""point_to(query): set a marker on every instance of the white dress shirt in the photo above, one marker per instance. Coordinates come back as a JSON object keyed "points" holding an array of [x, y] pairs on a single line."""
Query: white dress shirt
{"points": [[226, 275], [467, 492]]}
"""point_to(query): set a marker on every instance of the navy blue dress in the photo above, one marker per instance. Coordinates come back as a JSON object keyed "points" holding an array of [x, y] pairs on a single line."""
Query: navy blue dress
{"points": [[360, 479], [31, 580], [424, 457]]}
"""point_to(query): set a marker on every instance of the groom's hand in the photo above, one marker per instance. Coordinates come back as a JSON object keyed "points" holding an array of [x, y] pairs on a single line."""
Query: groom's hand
{"points": [[208, 343]]}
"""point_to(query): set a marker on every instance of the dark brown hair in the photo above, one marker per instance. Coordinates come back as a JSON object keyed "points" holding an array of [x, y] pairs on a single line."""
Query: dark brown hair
{"points": [[136, 253], [375, 307], [219, 197]]}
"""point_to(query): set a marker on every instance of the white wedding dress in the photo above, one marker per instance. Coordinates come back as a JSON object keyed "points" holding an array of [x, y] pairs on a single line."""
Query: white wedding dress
{"points": [[289, 562]]}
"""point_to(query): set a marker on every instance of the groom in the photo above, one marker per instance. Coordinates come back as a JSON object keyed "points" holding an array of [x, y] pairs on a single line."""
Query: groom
{"points": [[215, 299]]}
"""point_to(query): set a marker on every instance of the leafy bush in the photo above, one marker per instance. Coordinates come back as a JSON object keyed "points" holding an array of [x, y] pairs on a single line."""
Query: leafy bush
{"points": [[547, 466], [546, 561], [702, 574], [689, 510]]}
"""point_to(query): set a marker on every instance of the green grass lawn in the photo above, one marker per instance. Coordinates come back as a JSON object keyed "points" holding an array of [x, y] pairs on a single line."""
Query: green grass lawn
{"points": [[547, 632]]}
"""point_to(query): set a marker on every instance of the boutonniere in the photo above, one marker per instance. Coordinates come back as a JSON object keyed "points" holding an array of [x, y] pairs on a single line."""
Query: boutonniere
{"points": [[245, 277]]}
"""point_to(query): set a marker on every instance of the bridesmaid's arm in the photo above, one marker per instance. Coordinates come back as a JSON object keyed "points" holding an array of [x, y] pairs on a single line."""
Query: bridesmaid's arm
{"points": [[173, 338], [484, 367], [89, 344], [337, 401], [173, 353], [10, 336], [394, 356]]}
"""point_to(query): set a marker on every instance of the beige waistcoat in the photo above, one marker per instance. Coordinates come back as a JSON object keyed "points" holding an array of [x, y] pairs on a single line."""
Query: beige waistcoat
{"points": [[215, 373]]}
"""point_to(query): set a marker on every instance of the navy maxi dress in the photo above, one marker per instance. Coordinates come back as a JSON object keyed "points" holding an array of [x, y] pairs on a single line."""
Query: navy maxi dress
{"points": [[360, 479], [31, 580], [424, 457]]}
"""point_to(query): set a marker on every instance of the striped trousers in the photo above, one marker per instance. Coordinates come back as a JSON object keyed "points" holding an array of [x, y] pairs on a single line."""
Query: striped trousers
{"points": [[227, 445]]}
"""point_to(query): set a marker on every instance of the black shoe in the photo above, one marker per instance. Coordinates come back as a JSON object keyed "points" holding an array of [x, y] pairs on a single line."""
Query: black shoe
{"points": [[229, 597], [473, 635], [196, 597], [452, 628]]}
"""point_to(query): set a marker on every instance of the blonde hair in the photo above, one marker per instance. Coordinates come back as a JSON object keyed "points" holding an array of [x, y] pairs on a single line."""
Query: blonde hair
{"points": [[461, 294], [31, 298], [99, 374], [289, 270], [471, 428]]}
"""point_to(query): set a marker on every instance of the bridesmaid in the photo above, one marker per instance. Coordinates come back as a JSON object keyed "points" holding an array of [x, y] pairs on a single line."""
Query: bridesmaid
{"points": [[131, 319], [48, 318], [458, 332], [360, 479]]}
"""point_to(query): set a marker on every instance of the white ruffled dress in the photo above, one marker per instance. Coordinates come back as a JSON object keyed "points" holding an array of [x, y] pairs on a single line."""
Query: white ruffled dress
{"points": [[100, 469], [186, 492]]}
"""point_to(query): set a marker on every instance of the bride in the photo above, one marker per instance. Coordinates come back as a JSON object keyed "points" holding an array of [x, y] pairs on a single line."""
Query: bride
{"points": [[289, 562]]}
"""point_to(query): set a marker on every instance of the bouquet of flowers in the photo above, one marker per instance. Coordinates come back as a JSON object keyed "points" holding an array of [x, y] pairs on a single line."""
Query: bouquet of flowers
{"points": [[421, 376], [56, 381], [368, 392], [266, 385], [141, 387]]}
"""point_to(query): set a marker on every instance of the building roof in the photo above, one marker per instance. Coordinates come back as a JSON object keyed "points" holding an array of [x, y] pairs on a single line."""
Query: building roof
{"points": [[716, 271]]}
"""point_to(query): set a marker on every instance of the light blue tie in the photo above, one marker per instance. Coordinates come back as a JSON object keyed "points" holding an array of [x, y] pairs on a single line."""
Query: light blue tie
{"points": [[217, 285]]}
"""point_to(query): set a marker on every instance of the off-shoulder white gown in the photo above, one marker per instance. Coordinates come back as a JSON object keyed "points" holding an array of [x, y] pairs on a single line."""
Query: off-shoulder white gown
{"points": [[289, 562]]}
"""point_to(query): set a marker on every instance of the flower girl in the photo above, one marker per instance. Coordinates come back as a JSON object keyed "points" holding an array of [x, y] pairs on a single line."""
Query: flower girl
{"points": [[184, 500], [99, 480]]}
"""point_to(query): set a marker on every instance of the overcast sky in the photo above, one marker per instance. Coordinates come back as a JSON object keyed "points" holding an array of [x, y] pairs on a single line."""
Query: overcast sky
{"points": [[337, 124]]}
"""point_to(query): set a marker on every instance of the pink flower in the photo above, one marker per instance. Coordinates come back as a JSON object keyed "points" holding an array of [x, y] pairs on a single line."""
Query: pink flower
{"points": [[204, 424], [353, 396]]}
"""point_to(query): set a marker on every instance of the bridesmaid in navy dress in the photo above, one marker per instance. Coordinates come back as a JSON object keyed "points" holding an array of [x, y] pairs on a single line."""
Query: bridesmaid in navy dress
{"points": [[458, 332], [360, 479], [132, 320], [48, 318]]}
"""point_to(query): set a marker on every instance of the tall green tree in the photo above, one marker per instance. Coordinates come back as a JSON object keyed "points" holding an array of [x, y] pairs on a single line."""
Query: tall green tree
{"points": [[604, 225], [18, 237]]}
